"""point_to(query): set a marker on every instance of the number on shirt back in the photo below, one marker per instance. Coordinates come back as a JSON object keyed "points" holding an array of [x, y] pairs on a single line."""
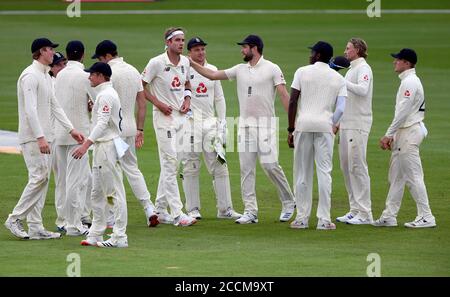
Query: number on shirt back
{"points": [[422, 106]]}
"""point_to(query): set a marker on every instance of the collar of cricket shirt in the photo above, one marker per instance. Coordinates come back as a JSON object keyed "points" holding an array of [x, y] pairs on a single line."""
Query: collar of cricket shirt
{"points": [[321, 64], [75, 63], [115, 61], [168, 62], [41, 67], [257, 63], [407, 73], [103, 86], [356, 62]]}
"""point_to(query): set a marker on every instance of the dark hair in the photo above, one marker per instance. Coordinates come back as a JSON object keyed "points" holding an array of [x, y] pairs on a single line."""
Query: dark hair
{"points": [[75, 56], [259, 49], [113, 54], [36, 55], [324, 58]]}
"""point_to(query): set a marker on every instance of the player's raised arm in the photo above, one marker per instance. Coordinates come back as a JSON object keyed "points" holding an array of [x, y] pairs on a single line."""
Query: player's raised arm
{"points": [[208, 73]]}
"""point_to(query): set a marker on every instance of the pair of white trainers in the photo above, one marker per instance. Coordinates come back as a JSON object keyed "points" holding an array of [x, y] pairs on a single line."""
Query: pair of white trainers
{"points": [[249, 218], [228, 214], [16, 228], [99, 242], [182, 220], [355, 219], [321, 224], [419, 222]]}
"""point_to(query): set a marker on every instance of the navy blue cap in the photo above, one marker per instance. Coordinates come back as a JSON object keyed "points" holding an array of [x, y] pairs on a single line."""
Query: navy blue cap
{"points": [[324, 48], [100, 67], [194, 42], [40, 43], [103, 48], [406, 54], [253, 40], [339, 62], [57, 57], [74, 47]]}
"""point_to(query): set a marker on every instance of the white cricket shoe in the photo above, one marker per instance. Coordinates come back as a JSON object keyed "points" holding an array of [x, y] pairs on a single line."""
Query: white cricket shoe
{"points": [[286, 214], [44, 234], [77, 232], [184, 220], [91, 241], [325, 225], [152, 217], [358, 220], [345, 218], [299, 224], [228, 214], [247, 218], [164, 217], [16, 228], [421, 222], [195, 213], [112, 244], [385, 222]]}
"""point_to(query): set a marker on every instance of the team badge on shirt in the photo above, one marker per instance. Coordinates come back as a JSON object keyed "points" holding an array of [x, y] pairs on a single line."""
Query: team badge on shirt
{"points": [[105, 108], [201, 88], [175, 82], [407, 93], [366, 77]]}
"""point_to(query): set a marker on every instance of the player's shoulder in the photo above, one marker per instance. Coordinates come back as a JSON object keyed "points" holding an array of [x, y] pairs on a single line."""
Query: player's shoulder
{"points": [[157, 59], [184, 60]]}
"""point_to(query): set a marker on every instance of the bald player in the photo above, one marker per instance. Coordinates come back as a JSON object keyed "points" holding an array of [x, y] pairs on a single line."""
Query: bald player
{"points": [[166, 85], [257, 83], [207, 132], [403, 138]]}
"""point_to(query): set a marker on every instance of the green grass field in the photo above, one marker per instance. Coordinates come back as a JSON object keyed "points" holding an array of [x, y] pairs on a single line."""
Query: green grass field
{"points": [[269, 248]]}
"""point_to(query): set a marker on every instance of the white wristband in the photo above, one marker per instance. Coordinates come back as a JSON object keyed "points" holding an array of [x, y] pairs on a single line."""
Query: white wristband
{"points": [[187, 92]]}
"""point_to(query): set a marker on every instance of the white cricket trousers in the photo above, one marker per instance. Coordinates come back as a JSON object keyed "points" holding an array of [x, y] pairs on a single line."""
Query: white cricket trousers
{"points": [[313, 147], [203, 133], [72, 179], [406, 169], [32, 201], [352, 155], [262, 143], [169, 135], [107, 182], [134, 176]]}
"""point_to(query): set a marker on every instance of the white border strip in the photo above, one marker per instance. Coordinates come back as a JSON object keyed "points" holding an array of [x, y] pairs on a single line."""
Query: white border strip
{"points": [[224, 11]]}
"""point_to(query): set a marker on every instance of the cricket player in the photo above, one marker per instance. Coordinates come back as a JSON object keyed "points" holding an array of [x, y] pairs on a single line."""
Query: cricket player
{"points": [[108, 149], [72, 177], [208, 134], [257, 81], [58, 64], [403, 138], [354, 133], [37, 105], [166, 80], [311, 132], [126, 80]]}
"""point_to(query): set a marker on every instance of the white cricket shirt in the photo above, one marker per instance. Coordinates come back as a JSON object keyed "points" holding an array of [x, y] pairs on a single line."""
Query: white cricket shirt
{"points": [[319, 87]]}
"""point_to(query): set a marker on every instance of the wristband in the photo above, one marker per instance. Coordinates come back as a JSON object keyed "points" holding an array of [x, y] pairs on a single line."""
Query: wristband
{"points": [[142, 130], [290, 130], [187, 92]]}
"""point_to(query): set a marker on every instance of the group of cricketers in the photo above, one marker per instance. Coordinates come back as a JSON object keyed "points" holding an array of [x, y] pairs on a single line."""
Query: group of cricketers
{"points": [[64, 109]]}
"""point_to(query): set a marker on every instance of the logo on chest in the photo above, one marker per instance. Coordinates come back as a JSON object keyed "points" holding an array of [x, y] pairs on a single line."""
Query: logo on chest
{"points": [[176, 83]]}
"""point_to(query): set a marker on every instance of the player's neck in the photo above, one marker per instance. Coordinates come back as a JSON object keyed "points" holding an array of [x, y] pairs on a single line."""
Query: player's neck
{"points": [[173, 57], [254, 60]]}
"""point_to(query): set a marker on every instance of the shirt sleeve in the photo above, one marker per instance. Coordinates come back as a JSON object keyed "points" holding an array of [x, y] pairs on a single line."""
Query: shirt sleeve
{"points": [[219, 100], [403, 107], [296, 81], [139, 85], [343, 89], [362, 87], [103, 111], [278, 77], [29, 87], [150, 71], [231, 72]]}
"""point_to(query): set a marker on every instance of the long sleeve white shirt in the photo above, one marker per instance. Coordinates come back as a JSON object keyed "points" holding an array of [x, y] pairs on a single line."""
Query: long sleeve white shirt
{"points": [[358, 107], [106, 114], [72, 93], [37, 105], [410, 102]]}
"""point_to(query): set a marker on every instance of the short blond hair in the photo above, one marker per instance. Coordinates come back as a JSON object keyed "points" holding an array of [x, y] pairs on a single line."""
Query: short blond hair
{"points": [[360, 45], [171, 30]]}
